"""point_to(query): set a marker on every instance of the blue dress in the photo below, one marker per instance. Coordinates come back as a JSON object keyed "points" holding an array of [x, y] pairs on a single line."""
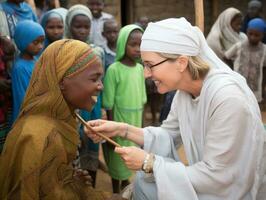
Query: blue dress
{"points": [[20, 76]]}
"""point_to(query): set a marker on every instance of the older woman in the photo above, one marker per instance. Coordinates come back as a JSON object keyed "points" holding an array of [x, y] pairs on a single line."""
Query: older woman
{"points": [[214, 112]]}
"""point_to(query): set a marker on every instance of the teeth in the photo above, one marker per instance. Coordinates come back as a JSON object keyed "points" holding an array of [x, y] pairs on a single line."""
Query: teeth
{"points": [[94, 98]]}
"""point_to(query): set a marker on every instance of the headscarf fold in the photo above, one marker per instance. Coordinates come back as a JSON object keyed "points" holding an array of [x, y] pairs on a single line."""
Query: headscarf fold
{"points": [[26, 32], [72, 12], [222, 36], [44, 95], [122, 40], [23, 11], [177, 36]]}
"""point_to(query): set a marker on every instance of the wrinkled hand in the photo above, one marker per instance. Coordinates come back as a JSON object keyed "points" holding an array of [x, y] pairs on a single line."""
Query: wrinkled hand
{"points": [[4, 85], [132, 156], [108, 128], [83, 175]]}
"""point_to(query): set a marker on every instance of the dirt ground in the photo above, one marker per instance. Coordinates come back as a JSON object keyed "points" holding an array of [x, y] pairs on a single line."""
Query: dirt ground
{"points": [[103, 179]]}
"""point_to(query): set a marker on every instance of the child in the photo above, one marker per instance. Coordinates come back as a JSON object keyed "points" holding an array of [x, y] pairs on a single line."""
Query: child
{"points": [[78, 21], [99, 17], [53, 24], [11, 12], [7, 51], [110, 32], [250, 56], [29, 38], [124, 97]]}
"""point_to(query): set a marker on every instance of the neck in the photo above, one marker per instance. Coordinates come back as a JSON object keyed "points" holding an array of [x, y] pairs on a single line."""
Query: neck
{"points": [[112, 46], [128, 61], [190, 86], [27, 56]]}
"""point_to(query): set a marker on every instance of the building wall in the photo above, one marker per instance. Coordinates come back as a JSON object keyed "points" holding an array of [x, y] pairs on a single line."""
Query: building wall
{"points": [[158, 9]]}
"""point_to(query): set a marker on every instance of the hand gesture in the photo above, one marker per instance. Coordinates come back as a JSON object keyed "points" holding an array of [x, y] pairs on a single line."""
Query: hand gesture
{"points": [[108, 128], [132, 156]]}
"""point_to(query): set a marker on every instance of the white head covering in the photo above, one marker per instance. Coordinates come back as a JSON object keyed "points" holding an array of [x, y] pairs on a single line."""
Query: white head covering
{"points": [[72, 12], [178, 36], [222, 36]]}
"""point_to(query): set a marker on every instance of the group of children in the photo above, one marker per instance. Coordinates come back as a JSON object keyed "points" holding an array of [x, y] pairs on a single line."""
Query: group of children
{"points": [[124, 93]]}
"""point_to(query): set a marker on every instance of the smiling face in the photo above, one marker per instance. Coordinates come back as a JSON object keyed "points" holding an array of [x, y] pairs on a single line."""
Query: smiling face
{"points": [[80, 89], [166, 76], [80, 28], [96, 7]]}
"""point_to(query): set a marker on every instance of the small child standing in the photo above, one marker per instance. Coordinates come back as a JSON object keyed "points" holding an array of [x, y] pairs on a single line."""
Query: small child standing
{"points": [[29, 37], [124, 97], [110, 32], [249, 56]]}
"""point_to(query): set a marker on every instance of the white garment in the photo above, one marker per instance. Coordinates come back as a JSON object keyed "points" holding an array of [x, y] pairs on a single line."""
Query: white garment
{"points": [[222, 36], [221, 130], [96, 36]]}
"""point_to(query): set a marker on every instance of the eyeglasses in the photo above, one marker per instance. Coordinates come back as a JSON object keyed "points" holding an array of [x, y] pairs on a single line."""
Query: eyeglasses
{"points": [[151, 66]]}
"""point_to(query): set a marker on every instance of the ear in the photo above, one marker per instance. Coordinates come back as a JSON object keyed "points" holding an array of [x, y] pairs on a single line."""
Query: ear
{"points": [[183, 63], [62, 85]]}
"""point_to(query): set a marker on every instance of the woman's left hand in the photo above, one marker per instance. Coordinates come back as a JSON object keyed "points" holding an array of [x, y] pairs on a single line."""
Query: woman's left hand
{"points": [[132, 156], [82, 175]]}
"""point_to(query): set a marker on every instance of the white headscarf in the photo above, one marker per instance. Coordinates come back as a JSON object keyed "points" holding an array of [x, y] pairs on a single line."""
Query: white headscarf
{"points": [[72, 12], [178, 36], [222, 36]]}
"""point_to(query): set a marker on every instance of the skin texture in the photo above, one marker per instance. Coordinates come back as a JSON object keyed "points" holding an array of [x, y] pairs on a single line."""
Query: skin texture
{"points": [[110, 32], [54, 29], [78, 89], [80, 27], [236, 23], [170, 75], [96, 7], [33, 48], [132, 48], [254, 36]]}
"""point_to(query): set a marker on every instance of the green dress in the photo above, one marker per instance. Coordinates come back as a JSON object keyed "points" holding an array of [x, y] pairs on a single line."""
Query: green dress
{"points": [[124, 93]]}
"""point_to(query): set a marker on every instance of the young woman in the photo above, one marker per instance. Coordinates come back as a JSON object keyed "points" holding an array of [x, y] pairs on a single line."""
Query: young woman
{"points": [[36, 162]]}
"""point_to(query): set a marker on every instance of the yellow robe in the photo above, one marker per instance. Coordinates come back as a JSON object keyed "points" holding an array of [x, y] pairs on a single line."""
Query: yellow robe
{"points": [[36, 162]]}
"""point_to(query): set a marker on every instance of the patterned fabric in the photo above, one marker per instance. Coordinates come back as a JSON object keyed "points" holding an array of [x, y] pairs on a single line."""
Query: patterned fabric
{"points": [[36, 162], [5, 104], [249, 62]]}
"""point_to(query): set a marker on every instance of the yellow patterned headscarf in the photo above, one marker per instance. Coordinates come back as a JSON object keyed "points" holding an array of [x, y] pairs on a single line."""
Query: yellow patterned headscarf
{"points": [[62, 58]]}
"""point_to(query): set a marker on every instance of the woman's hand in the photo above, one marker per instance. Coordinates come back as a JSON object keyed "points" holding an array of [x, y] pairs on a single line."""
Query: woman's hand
{"points": [[83, 175], [108, 128], [132, 156]]}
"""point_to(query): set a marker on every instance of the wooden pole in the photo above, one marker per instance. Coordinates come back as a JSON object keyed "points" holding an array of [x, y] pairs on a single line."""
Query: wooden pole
{"points": [[32, 4], [199, 14]]}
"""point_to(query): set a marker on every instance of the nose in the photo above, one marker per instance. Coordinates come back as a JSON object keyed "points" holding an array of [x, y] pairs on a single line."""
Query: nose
{"points": [[147, 73], [100, 86]]}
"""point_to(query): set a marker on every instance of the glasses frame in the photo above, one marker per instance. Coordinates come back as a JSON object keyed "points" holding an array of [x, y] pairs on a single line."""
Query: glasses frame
{"points": [[159, 63]]}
